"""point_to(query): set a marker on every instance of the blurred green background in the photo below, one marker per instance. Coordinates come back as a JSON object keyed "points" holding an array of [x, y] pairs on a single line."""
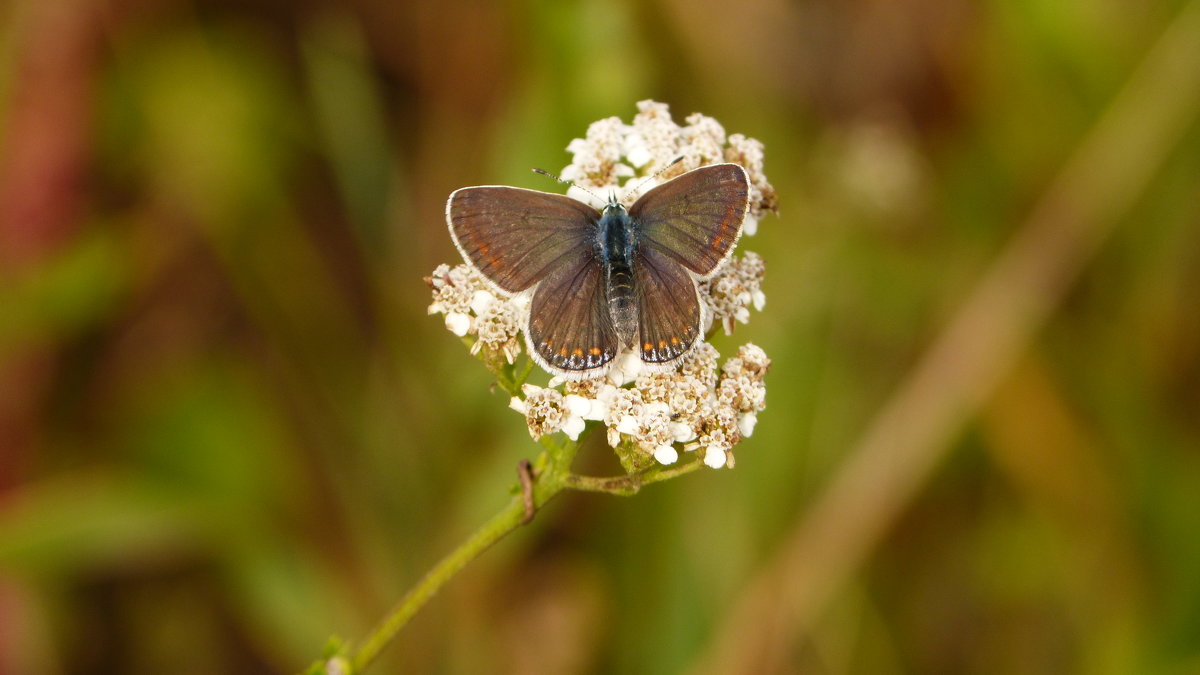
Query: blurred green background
{"points": [[229, 430]]}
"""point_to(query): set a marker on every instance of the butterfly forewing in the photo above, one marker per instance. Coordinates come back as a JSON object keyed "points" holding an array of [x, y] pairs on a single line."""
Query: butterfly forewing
{"points": [[668, 307], [517, 237], [570, 328], [695, 219]]}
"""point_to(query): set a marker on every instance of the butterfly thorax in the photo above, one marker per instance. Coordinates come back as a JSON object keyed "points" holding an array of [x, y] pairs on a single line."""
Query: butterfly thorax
{"points": [[617, 244]]}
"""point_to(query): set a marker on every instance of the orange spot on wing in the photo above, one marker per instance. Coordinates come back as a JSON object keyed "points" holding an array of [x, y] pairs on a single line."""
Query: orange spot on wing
{"points": [[674, 340], [725, 223], [577, 352], [648, 346], [562, 352], [594, 351]]}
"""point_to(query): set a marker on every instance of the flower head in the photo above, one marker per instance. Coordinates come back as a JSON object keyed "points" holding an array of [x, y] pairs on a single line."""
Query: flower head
{"points": [[649, 411]]}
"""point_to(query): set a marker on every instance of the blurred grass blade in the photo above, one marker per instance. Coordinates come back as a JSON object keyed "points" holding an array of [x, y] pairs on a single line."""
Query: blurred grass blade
{"points": [[994, 325]]}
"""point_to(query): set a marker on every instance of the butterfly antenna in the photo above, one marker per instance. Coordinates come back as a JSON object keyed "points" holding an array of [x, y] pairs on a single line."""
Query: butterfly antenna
{"points": [[567, 182], [654, 176]]}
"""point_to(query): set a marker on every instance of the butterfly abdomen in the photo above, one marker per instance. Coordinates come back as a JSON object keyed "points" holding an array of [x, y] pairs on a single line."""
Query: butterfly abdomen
{"points": [[621, 305], [616, 252]]}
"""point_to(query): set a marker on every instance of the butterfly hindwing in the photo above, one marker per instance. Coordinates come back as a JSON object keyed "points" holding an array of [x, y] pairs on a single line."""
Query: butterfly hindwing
{"points": [[668, 307], [516, 237], [570, 329], [696, 218]]}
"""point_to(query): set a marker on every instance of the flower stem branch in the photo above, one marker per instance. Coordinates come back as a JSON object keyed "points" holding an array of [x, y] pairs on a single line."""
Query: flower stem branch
{"points": [[628, 485]]}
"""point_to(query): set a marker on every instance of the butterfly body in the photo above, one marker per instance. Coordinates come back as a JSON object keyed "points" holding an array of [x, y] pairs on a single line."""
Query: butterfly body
{"points": [[604, 280], [617, 243]]}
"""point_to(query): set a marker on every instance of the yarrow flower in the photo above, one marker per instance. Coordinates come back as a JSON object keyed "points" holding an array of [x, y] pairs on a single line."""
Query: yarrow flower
{"points": [[471, 308], [735, 288], [651, 414]]}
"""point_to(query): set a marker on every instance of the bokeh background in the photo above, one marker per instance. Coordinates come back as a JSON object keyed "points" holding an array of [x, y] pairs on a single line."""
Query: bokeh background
{"points": [[228, 430]]}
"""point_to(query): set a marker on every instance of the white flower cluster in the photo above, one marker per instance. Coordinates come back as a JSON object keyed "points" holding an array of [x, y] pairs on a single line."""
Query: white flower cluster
{"points": [[612, 152], [471, 308], [647, 413], [694, 408], [731, 292]]}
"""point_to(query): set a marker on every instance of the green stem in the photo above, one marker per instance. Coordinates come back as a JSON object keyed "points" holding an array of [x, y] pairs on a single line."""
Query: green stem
{"points": [[552, 469], [551, 475], [504, 522], [628, 485]]}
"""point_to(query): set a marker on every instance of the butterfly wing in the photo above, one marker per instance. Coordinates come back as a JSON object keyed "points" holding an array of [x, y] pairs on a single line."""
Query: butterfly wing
{"points": [[696, 218], [668, 306], [570, 329], [516, 237]]}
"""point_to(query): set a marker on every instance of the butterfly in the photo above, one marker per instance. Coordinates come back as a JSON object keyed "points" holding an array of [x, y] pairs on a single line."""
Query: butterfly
{"points": [[602, 281]]}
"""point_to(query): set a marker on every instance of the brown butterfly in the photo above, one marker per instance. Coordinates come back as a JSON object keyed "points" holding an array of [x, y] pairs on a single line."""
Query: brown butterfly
{"points": [[604, 281]]}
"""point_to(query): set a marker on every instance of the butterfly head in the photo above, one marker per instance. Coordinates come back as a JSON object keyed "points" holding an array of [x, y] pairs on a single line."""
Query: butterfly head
{"points": [[614, 206]]}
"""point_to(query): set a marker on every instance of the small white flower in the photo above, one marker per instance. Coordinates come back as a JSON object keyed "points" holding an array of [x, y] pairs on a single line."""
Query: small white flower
{"points": [[577, 146], [714, 457], [517, 404], [626, 368], [746, 423], [636, 151], [544, 413], [573, 426], [597, 409], [571, 173], [624, 409], [480, 301], [659, 134], [750, 226], [596, 157], [657, 408], [704, 139], [666, 454], [576, 405], [458, 323], [628, 425], [682, 433]]}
